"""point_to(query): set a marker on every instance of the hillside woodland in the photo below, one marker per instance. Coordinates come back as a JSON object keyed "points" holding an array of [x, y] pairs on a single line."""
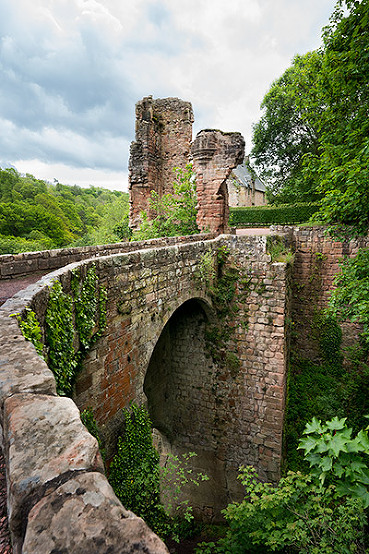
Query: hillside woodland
{"points": [[37, 215]]}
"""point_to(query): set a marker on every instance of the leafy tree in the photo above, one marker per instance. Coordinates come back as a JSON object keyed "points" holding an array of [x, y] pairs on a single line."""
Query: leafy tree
{"points": [[289, 129], [36, 215], [313, 138], [342, 167], [174, 214]]}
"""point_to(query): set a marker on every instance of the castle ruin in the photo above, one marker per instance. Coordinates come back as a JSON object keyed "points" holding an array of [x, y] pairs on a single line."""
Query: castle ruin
{"points": [[163, 142]]}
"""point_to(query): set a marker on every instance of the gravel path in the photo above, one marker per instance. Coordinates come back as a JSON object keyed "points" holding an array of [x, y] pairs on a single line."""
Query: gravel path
{"points": [[253, 231], [8, 287]]}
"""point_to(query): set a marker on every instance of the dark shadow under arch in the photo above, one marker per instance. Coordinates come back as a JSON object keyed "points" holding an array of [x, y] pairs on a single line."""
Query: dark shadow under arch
{"points": [[179, 377]]}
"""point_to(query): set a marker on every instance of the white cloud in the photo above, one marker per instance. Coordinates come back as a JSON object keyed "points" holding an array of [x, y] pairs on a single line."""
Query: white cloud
{"points": [[72, 70], [113, 180]]}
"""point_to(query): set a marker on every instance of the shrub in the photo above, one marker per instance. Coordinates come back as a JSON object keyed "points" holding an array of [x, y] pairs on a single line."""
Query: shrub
{"points": [[151, 492], [272, 215], [318, 513], [335, 456], [297, 515], [174, 214]]}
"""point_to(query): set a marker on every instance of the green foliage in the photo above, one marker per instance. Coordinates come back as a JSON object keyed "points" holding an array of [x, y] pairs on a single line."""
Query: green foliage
{"points": [[350, 299], [60, 339], [36, 215], [313, 137], [224, 288], [85, 304], [134, 471], [342, 166], [205, 272], [82, 315], [272, 215], [139, 482], [278, 249], [31, 329], [295, 516], [221, 279], [14, 245], [288, 130], [330, 338], [172, 214], [89, 421], [174, 476], [313, 390], [321, 512], [335, 456], [113, 224]]}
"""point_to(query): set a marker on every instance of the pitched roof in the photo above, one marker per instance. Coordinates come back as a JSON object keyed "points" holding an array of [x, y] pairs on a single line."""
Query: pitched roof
{"points": [[244, 177]]}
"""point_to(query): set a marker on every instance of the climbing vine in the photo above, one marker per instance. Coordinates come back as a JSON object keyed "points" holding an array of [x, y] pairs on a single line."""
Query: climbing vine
{"points": [[89, 421], [80, 315], [62, 359], [31, 329], [222, 278]]}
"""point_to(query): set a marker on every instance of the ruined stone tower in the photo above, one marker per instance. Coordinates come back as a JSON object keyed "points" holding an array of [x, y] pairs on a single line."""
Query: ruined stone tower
{"points": [[163, 142], [215, 154], [163, 139]]}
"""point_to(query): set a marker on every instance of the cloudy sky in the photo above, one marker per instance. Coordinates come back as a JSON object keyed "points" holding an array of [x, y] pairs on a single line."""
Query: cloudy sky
{"points": [[72, 71]]}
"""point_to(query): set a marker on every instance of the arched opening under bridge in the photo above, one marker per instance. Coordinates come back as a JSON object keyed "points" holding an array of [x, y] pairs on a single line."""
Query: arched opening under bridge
{"points": [[180, 386]]}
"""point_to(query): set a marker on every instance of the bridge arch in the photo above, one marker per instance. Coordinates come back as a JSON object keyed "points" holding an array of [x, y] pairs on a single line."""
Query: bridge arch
{"points": [[181, 390], [149, 291], [180, 375]]}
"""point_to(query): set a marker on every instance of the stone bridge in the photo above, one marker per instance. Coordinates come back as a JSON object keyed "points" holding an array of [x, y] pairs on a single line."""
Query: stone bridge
{"points": [[221, 397]]}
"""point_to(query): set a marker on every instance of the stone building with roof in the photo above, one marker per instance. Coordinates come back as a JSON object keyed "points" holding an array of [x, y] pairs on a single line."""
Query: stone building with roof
{"points": [[244, 187]]}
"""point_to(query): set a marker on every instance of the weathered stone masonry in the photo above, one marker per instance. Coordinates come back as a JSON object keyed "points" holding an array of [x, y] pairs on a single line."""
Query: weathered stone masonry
{"points": [[163, 142], [317, 262], [155, 303], [155, 350], [163, 138], [17, 265], [215, 154]]}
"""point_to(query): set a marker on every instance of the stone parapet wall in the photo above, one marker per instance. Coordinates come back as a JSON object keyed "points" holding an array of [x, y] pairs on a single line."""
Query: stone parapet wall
{"points": [[317, 262], [17, 265], [59, 499]]}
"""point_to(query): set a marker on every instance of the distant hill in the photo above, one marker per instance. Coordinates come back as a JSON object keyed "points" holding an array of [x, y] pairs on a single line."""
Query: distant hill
{"points": [[37, 215]]}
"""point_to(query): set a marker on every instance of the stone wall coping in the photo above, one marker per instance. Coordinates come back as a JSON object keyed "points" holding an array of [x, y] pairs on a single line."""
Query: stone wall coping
{"points": [[17, 265], [17, 303]]}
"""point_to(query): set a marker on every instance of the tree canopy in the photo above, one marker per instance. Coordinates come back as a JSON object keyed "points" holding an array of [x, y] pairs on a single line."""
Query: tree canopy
{"points": [[313, 139], [289, 129], [38, 215]]}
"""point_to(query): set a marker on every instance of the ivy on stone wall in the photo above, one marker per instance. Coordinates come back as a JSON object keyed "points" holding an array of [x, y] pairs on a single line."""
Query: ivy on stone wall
{"points": [[89, 421], [31, 329], [219, 274], [62, 359], [73, 323]]}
